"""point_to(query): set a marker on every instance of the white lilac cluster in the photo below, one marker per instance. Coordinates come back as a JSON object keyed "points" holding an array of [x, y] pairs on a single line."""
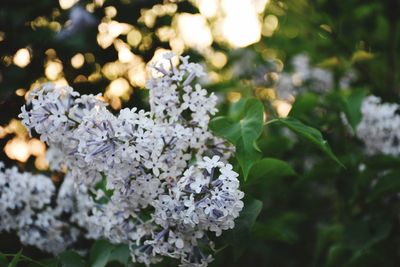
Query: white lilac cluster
{"points": [[379, 127], [26, 207], [303, 76], [169, 177]]}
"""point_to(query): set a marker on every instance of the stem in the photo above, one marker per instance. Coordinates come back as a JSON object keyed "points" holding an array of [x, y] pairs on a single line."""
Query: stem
{"points": [[271, 121], [25, 258]]}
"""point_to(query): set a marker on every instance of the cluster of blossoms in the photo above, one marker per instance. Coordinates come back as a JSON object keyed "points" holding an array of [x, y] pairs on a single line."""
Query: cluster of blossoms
{"points": [[379, 127], [30, 207], [168, 183], [303, 77]]}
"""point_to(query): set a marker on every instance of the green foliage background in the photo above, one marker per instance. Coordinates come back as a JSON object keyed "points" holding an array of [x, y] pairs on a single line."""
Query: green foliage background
{"points": [[308, 202]]}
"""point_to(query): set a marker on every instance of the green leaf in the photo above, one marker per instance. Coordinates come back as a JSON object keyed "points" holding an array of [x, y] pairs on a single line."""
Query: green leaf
{"points": [[388, 184], [3, 260], [246, 155], [250, 129], [362, 235], [275, 145], [280, 227], [53, 262], [120, 254], [252, 122], [15, 260], [336, 254], [238, 236], [366, 258], [243, 132], [71, 259], [249, 214], [102, 185], [268, 168], [326, 235], [237, 109], [226, 127], [352, 106], [100, 253], [379, 162], [304, 105], [249, 125], [309, 133]]}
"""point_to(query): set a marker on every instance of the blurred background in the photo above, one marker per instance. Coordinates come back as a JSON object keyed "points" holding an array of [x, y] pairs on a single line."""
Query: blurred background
{"points": [[277, 51], [263, 47]]}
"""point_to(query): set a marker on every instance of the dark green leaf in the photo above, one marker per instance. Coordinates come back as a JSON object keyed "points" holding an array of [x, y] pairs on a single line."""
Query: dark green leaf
{"points": [[268, 168], [383, 161], [120, 254], [53, 262], [326, 235], [309, 133], [71, 259], [249, 214], [244, 131], [246, 155], [248, 125], [102, 185], [352, 106], [15, 260], [280, 227], [226, 127], [237, 109], [238, 236], [366, 258], [3, 260], [364, 234], [387, 184], [252, 122], [275, 145], [100, 253], [336, 254], [304, 105]]}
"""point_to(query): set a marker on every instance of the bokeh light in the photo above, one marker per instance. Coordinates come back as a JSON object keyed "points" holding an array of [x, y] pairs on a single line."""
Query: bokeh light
{"points": [[241, 25], [66, 4], [22, 58], [194, 31], [282, 107], [77, 61], [234, 96], [17, 149], [208, 8], [270, 25], [118, 87], [53, 70]]}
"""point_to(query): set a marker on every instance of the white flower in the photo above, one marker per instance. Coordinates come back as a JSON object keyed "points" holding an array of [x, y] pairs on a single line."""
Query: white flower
{"points": [[153, 163], [211, 163], [379, 126]]}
